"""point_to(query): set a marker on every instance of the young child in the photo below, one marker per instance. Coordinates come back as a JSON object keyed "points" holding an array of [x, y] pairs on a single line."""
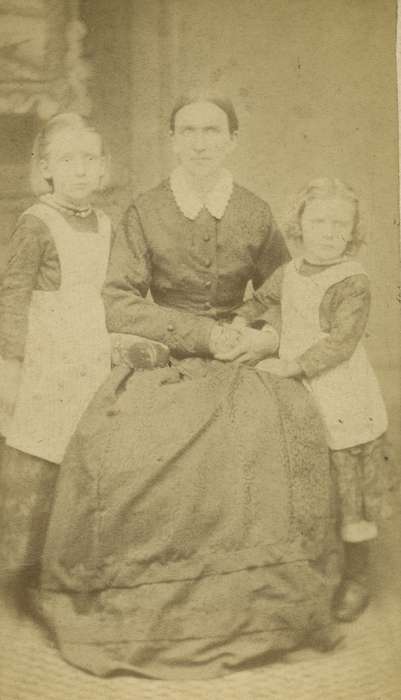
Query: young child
{"points": [[53, 342], [324, 297]]}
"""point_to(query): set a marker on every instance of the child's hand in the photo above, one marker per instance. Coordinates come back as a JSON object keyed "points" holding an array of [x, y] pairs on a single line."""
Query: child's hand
{"points": [[280, 367]]}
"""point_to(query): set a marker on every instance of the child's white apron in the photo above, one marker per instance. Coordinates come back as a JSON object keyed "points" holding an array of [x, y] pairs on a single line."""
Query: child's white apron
{"points": [[67, 354], [348, 396]]}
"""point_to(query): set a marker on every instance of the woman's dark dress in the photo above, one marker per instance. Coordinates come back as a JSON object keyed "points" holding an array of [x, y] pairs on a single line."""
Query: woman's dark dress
{"points": [[191, 533]]}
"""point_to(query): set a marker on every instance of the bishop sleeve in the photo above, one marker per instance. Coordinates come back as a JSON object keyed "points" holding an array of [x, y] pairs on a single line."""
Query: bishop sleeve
{"points": [[127, 283], [264, 306]]}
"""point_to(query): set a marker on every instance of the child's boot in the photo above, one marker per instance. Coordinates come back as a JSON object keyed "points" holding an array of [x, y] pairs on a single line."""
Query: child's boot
{"points": [[353, 595]]}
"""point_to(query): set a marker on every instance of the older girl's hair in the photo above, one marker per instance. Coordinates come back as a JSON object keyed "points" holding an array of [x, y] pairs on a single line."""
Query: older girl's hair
{"points": [[194, 96], [325, 188], [70, 121]]}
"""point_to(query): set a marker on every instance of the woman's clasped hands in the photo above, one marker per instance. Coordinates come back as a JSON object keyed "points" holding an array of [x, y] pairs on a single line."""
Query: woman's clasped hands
{"points": [[236, 342]]}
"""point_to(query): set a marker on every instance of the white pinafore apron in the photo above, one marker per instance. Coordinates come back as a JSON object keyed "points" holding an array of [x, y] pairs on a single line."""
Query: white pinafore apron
{"points": [[67, 352], [348, 396]]}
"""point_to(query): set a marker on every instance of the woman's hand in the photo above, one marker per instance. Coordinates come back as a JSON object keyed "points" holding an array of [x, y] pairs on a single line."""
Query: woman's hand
{"points": [[238, 322], [252, 346], [223, 339], [280, 367]]}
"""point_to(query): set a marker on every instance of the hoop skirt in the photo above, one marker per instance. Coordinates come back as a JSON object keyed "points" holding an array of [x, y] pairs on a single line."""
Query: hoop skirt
{"points": [[192, 531]]}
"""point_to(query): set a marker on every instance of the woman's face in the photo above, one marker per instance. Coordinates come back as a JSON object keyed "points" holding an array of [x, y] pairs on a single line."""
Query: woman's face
{"points": [[202, 138], [327, 226]]}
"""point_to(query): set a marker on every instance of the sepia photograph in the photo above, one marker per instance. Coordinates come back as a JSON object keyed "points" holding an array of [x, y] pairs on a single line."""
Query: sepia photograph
{"points": [[200, 356]]}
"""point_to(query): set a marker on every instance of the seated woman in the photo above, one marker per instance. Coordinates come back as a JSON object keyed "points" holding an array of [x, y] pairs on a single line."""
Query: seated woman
{"points": [[191, 533]]}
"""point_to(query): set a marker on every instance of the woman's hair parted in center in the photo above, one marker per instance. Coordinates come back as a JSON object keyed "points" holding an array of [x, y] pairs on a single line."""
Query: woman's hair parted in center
{"points": [[66, 121], [205, 95], [325, 188]]}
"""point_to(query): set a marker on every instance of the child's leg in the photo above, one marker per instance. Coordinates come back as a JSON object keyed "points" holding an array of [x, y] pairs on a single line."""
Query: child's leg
{"points": [[26, 495], [356, 531], [376, 482], [349, 474]]}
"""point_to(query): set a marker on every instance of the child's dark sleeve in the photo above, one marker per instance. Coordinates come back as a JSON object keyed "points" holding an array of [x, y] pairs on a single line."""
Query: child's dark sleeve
{"points": [[344, 314], [19, 279], [264, 306]]}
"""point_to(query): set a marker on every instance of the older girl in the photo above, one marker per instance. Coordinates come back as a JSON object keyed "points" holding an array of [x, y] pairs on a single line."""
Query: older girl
{"points": [[53, 338], [325, 299]]}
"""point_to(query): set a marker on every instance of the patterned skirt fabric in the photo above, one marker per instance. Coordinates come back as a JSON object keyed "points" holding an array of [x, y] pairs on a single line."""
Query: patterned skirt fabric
{"points": [[365, 476], [27, 486], [192, 530]]}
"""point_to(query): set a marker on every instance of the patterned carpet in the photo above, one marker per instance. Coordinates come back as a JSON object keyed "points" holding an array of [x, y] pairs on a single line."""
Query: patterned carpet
{"points": [[367, 665]]}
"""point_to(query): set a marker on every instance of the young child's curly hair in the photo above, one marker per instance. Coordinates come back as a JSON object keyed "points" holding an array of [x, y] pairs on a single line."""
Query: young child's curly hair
{"points": [[325, 188]]}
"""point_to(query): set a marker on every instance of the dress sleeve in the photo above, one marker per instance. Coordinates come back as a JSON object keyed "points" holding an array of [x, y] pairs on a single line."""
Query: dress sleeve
{"points": [[25, 251], [344, 314], [264, 306], [128, 280], [272, 254]]}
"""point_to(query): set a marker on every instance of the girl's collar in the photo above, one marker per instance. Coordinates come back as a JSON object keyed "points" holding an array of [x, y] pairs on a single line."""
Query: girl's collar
{"points": [[189, 202], [57, 203]]}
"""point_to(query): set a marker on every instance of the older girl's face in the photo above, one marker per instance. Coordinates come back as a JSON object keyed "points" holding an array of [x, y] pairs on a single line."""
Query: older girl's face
{"points": [[327, 226], [202, 138], [75, 164]]}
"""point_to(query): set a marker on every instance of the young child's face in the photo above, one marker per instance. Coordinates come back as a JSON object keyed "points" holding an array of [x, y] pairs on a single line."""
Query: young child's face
{"points": [[75, 164], [327, 226]]}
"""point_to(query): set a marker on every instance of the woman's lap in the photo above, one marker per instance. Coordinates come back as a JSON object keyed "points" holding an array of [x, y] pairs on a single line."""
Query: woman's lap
{"points": [[195, 502]]}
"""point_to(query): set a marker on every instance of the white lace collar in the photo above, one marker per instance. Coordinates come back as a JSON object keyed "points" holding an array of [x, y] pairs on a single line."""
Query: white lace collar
{"points": [[189, 201]]}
